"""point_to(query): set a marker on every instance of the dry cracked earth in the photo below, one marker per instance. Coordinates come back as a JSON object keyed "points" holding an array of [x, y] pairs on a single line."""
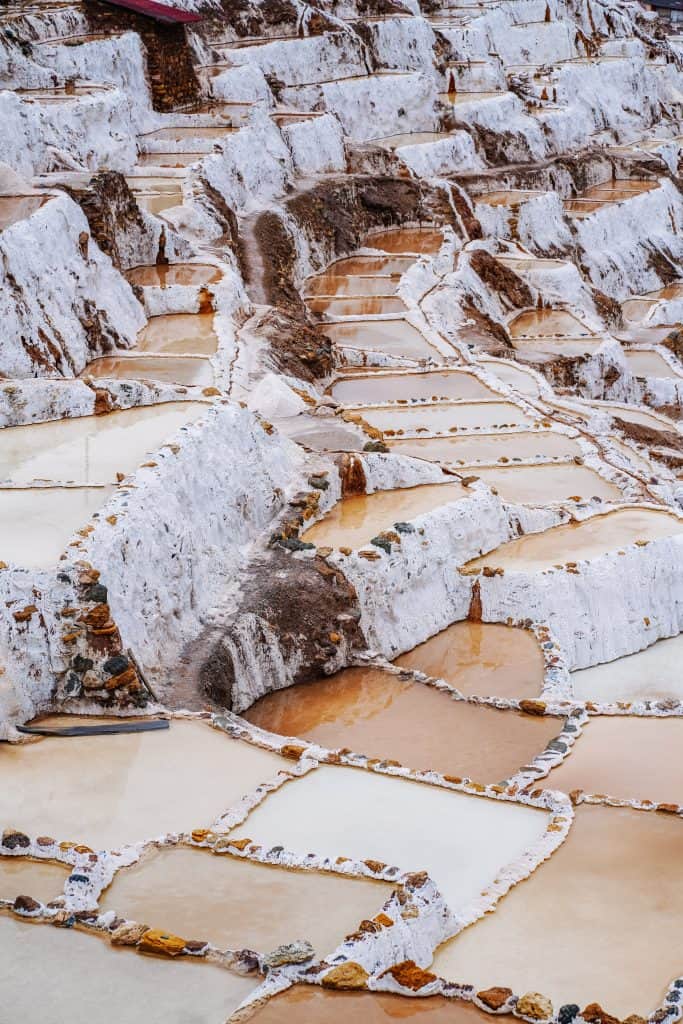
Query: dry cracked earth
{"points": [[341, 512]]}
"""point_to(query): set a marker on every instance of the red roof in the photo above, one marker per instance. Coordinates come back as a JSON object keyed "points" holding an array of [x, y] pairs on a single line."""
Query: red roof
{"points": [[162, 12]]}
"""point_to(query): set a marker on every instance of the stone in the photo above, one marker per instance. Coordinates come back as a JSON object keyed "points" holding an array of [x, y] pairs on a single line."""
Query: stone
{"points": [[567, 1013], [97, 593], [161, 943], [15, 840], [494, 997], [409, 975], [346, 977], [594, 1014], [115, 665], [535, 1005], [26, 905], [128, 934], [289, 953], [532, 707]]}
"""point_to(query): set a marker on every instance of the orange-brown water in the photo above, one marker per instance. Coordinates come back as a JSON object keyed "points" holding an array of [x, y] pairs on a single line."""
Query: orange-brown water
{"points": [[150, 368], [384, 266], [359, 305], [179, 334], [405, 240], [481, 659], [16, 208], [539, 323], [597, 922], [538, 485], [236, 904], [336, 284], [375, 713], [165, 275], [487, 447], [43, 880], [586, 540], [395, 337], [355, 520], [630, 758], [384, 387], [306, 1004]]}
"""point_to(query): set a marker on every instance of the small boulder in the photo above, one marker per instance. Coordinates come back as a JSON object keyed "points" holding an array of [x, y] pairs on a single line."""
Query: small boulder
{"points": [[494, 997], [534, 1005], [290, 953], [345, 977]]}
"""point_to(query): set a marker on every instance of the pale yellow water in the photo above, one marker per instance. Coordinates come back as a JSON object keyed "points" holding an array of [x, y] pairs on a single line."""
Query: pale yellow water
{"points": [[361, 305], [540, 485], [540, 323], [628, 758], [352, 285], [179, 334], [481, 658], [577, 541], [16, 208], [165, 369], [355, 520], [405, 240], [349, 266], [462, 841], [652, 674], [514, 376], [649, 364], [310, 1004], [444, 417], [395, 337], [82, 979], [236, 904], [36, 524], [384, 387], [157, 202], [487, 447], [614, 885], [634, 415], [41, 879], [165, 275], [544, 349], [374, 712], [90, 449], [110, 790]]}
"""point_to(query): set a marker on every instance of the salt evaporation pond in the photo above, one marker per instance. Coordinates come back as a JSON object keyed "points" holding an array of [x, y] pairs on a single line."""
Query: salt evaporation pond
{"points": [[37, 524], [339, 285], [83, 979], [647, 363], [393, 337], [600, 919], [385, 387], [310, 1004], [525, 445], [629, 758], [177, 134], [447, 416], [483, 659], [652, 674], [406, 240], [379, 714], [16, 208], [514, 376], [542, 485], [178, 334], [237, 904], [170, 159], [360, 305], [633, 415], [355, 520], [90, 449], [166, 275], [153, 369], [542, 323], [462, 841], [41, 879], [136, 786], [588, 539], [357, 268]]}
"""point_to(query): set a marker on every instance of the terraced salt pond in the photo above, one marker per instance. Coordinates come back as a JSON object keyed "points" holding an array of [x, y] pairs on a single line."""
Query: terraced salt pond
{"points": [[43, 880], [137, 785], [360, 305], [166, 275], [578, 541], [374, 712], [576, 914], [462, 841], [394, 337], [163, 369], [544, 323], [384, 387], [310, 1004], [16, 208], [543, 485], [90, 449], [628, 758], [238, 904], [515, 376], [406, 240], [37, 524], [355, 520], [652, 674], [646, 363], [447, 416], [489, 447], [483, 659], [82, 975], [178, 334]]}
